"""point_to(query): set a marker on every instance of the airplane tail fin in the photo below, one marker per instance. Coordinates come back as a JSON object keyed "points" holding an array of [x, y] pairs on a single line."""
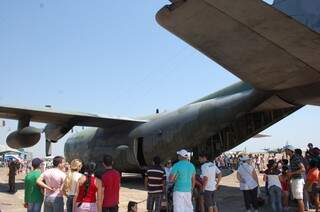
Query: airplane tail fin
{"points": [[232, 89]]}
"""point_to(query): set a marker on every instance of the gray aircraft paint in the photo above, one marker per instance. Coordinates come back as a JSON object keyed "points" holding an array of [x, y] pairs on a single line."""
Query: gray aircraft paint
{"points": [[185, 127]]}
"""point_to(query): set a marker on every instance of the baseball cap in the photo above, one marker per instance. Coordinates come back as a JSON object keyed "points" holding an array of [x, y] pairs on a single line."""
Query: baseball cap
{"points": [[184, 153], [289, 147], [36, 162], [316, 151]]}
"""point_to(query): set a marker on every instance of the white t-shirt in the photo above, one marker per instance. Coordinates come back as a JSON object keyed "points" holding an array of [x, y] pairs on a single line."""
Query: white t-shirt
{"points": [[168, 171], [247, 182], [210, 170], [273, 180], [75, 178]]}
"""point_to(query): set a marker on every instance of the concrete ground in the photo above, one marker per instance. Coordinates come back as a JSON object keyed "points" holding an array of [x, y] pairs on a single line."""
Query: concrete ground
{"points": [[229, 198], [11, 202]]}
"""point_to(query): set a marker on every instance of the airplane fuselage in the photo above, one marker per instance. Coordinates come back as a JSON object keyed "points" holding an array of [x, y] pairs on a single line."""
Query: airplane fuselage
{"points": [[133, 147], [214, 123]]}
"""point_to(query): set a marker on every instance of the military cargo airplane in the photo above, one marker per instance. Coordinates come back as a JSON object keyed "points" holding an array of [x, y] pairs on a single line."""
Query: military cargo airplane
{"points": [[273, 151], [275, 53]]}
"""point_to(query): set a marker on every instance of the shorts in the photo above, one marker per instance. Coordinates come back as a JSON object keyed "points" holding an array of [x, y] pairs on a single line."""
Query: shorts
{"points": [[182, 202], [86, 207], [209, 200], [297, 188], [315, 189]]}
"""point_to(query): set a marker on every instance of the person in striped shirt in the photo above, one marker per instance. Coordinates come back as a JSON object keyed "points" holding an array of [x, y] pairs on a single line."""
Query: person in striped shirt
{"points": [[155, 184]]}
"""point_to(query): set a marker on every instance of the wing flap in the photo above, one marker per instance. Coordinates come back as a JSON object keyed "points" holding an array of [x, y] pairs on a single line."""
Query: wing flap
{"points": [[259, 44]]}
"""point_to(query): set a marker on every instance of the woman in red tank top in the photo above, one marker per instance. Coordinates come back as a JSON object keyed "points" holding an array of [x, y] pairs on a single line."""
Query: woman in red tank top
{"points": [[85, 199], [284, 179]]}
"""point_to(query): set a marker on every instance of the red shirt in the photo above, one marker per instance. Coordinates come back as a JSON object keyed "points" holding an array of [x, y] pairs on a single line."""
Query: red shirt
{"points": [[313, 175], [111, 183], [91, 194]]}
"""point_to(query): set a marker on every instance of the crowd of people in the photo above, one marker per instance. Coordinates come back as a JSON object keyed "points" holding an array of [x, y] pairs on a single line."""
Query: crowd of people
{"points": [[179, 186], [86, 192], [294, 176], [77, 181], [17, 166]]}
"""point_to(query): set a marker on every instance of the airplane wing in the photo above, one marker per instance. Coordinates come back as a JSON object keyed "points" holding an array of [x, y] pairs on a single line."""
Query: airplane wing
{"points": [[259, 135], [251, 39], [48, 115]]}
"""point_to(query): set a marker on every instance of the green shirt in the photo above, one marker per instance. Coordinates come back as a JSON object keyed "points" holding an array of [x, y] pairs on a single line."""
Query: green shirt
{"points": [[183, 171], [32, 192]]}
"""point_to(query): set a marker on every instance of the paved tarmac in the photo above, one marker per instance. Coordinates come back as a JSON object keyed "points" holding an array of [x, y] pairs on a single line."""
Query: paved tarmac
{"points": [[11, 202], [229, 197], [132, 189]]}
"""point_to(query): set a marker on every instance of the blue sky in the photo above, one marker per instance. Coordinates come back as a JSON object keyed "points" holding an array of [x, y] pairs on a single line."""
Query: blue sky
{"points": [[111, 58]]}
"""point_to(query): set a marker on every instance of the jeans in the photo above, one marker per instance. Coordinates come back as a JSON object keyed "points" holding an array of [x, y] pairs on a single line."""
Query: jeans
{"points": [[70, 203], [306, 198], [111, 209], [275, 197], [53, 204], [154, 202], [34, 206]]}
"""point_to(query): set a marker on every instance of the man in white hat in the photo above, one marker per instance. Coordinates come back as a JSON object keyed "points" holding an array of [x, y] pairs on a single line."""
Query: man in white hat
{"points": [[249, 183], [296, 173], [183, 177]]}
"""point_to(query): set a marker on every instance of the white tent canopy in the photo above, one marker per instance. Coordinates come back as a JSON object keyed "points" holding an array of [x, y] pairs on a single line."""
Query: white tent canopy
{"points": [[4, 149]]}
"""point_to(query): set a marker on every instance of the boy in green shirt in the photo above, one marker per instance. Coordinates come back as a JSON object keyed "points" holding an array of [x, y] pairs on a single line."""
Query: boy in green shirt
{"points": [[33, 196]]}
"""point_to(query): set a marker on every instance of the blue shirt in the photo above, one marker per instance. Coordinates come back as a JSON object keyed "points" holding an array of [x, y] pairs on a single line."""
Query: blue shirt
{"points": [[183, 171]]}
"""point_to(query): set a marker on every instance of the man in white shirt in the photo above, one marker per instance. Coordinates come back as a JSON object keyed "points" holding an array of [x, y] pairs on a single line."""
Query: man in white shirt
{"points": [[211, 176], [249, 183]]}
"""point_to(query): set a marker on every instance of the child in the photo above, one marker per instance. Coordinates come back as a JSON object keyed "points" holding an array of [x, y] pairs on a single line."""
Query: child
{"points": [[132, 206], [312, 182], [284, 179], [274, 186]]}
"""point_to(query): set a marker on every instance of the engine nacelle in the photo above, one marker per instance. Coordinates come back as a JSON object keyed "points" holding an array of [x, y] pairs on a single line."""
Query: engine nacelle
{"points": [[54, 132], [26, 137]]}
